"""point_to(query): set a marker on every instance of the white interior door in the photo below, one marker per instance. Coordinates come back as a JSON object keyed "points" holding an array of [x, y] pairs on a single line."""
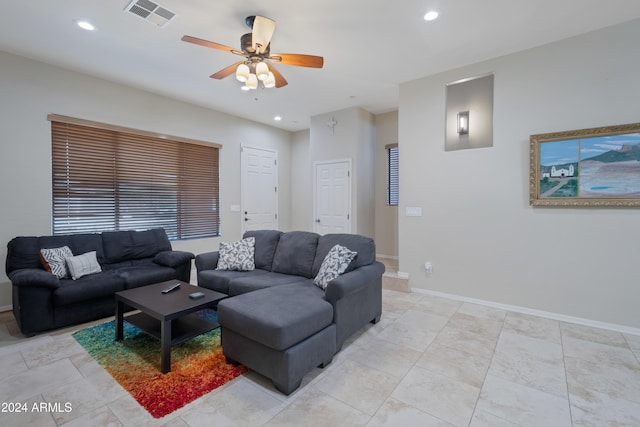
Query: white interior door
{"points": [[332, 198], [259, 189]]}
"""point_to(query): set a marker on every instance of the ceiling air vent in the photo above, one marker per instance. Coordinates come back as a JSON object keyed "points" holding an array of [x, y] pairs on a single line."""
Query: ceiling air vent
{"points": [[150, 11]]}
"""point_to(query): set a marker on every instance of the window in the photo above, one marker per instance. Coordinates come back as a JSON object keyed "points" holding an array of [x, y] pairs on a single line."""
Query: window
{"points": [[111, 178], [392, 174]]}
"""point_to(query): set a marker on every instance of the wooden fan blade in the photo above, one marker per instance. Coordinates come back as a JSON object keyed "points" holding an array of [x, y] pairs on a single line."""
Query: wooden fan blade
{"points": [[262, 32], [213, 45], [226, 72], [298, 60], [280, 81]]}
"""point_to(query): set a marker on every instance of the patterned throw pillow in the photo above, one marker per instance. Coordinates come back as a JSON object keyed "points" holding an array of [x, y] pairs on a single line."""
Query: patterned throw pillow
{"points": [[237, 255], [82, 265], [333, 265], [55, 259]]}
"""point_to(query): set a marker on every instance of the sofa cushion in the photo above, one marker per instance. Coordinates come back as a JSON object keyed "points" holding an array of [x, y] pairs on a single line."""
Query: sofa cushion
{"points": [[237, 255], [364, 246], [145, 274], [127, 245], [55, 260], [218, 280], [334, 264], [295, 253], [278, 317], [242, 284], [82, 265], [86, 288], [265, 247]]}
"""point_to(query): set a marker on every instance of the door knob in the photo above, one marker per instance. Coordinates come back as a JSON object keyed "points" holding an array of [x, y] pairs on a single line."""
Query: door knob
{"points": [[318, 221]]}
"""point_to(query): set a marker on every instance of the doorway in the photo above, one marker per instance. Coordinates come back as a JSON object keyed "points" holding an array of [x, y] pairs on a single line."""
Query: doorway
{"points": [[259, 188], [332, 196]]}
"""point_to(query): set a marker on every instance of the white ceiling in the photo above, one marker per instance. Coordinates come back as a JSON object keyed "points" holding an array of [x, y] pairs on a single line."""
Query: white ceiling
{"points": [[369, 46]]}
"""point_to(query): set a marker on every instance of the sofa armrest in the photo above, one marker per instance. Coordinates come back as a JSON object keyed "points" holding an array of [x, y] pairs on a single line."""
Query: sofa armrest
{"points": [[34, 277], [207, 261], [173, 259], [353, 282]]}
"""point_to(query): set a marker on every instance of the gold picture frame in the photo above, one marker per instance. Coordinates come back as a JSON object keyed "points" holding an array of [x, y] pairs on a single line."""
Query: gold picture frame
{"points": [[597, 167]]}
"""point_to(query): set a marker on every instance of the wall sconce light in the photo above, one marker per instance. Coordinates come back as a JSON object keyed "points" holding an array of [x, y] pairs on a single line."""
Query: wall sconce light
{"points": [[463, 123]]}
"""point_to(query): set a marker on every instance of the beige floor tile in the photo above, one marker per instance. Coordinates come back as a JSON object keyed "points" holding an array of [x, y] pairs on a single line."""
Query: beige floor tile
{"points": [[239, 404], [524, 406], [358, 386], [599, 410], [600, 353], [531, 362], [21, 413], [61, 348], [384, 356], [100, 417], [456, 364], [468, 342], [315, 408], [484, 419], [12, 364], [437, 305], [633, 341], [483, 311], [85, 395], [36, 381], [596, 335], [395, 413], [413, 336], [533, 326], [445, 398], [478, 325], [617, 381]]}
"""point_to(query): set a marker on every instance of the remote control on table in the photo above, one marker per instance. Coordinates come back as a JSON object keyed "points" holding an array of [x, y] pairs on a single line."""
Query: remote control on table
{"points": [[171, 288], [196, 295]]}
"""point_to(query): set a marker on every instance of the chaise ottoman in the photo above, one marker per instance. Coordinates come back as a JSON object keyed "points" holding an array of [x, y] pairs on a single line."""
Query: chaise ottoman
{"points": [[282, 333]]}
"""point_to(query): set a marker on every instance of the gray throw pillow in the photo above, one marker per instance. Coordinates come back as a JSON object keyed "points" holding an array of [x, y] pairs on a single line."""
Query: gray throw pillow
{"points": [[333, 265], [55, 258], [238, 255], [82, 265]]}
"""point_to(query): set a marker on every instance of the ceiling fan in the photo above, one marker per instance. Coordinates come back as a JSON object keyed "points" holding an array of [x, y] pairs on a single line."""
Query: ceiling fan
{"points": [[256, 49]]}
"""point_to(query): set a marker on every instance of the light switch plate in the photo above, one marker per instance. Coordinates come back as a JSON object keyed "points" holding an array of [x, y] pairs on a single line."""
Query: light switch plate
{"points": [[413, 211]]}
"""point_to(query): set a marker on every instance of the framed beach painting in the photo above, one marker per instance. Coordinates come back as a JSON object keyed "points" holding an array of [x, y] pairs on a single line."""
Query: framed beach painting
{"points": [[586, 167]]}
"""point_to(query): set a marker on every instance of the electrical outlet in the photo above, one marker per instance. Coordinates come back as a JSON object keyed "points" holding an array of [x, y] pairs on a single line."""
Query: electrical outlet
{"points": [[428, 267]]}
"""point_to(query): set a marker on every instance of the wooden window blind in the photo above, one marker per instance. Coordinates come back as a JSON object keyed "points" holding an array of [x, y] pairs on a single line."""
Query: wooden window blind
{"points": [[392, 174], [111, 178]]}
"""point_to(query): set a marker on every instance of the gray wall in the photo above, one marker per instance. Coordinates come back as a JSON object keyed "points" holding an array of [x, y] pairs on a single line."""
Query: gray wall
{"points": [[477, 228], [30, 90]]}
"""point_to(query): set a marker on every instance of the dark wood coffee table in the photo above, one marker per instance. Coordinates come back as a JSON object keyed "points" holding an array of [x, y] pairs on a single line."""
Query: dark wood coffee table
{"points": [[168, 317]]}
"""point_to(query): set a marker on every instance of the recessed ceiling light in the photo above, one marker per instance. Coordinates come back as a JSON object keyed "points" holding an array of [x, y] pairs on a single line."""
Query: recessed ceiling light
{"points": [[85, 25], [277, 118], [431, 15]]}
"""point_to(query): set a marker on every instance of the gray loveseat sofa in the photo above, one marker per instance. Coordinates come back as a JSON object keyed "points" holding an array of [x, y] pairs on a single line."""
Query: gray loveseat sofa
{"points": [[277, 321], [128, 259]]}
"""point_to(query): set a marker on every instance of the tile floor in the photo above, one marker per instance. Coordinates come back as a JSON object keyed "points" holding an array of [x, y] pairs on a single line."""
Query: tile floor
{"points": [[431, 361]]}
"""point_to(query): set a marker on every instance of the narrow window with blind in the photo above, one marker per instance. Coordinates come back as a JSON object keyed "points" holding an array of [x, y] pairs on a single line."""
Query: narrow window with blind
{"points": [[107, 178], [392, 174]]}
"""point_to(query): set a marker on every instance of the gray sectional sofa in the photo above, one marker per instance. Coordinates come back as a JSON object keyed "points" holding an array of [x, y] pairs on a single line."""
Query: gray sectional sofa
{"points": [[127, 259], [278, 322]]}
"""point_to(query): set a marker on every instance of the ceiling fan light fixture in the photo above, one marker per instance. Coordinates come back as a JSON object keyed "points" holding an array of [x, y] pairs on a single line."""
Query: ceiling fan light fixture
{"points": [[252, 82], [262, 71], [242, 72], [262, 31], [270, 81]]}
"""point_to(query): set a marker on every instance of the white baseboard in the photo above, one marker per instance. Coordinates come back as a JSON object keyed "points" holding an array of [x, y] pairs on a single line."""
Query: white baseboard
{"points": [[383, 256], [534, 312], [6, 308]]}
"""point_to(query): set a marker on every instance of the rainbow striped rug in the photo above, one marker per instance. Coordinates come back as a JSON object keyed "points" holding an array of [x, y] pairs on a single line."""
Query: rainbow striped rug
{"points": [[197, 366]]}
